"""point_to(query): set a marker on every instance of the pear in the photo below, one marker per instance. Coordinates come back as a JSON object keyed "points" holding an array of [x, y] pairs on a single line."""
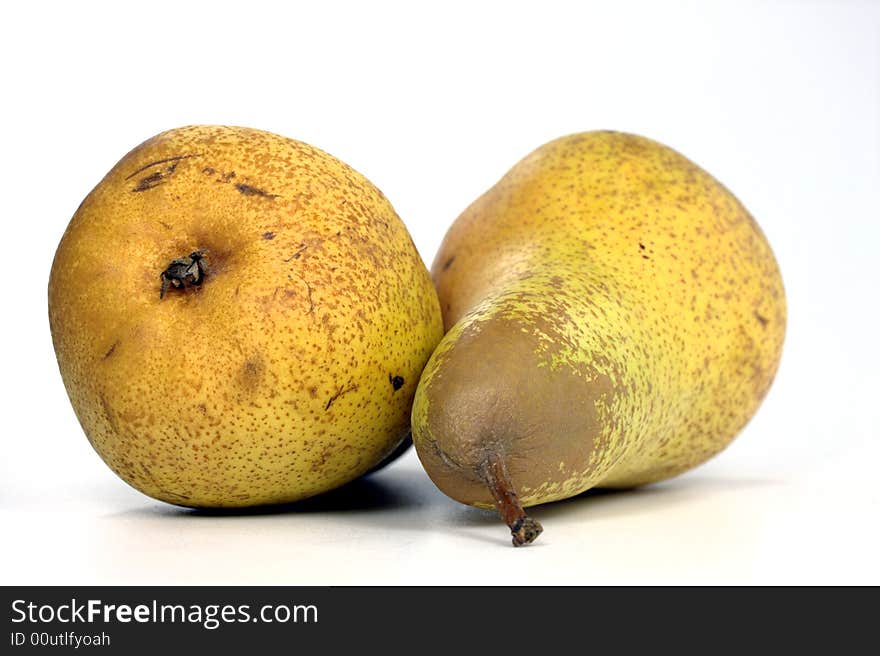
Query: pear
{"points": [[615, 316], [239, 319]]}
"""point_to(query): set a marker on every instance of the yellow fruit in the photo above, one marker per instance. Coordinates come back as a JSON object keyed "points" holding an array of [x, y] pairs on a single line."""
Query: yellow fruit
{"points": [[280, 362], [615, 317]]}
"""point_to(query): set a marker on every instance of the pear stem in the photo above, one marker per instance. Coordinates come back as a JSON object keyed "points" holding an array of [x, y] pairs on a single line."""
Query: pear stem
{"points": [[523, 528]]}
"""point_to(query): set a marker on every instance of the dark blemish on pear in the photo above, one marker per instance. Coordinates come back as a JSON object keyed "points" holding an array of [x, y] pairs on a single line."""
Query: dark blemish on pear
{"points": [[396, 382], [111, 350], [309, 291], [448, 263], [248, 190], [339, 393], [252, 369], [298, 253], [161, 161], [251, 372], [158, 177], [761, 319], [150, 182], [268, 235]]}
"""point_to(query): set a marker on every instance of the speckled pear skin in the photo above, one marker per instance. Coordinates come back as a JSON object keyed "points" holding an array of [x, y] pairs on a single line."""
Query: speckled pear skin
{"points": [[615, 316], [290, 370]]}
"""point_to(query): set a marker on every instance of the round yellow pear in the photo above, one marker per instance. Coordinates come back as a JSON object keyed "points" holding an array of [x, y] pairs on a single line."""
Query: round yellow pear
{"points": [[239, 319]]}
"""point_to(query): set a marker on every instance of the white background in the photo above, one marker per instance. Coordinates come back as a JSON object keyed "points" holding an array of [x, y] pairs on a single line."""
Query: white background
{"points": [[779, 100]]}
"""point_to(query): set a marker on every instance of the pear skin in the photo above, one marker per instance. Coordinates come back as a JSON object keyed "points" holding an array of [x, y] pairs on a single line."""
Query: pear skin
{"points": [[615, 316]]}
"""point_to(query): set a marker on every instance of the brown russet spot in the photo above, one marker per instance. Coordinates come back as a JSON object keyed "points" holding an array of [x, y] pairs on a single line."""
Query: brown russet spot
{"points": [[497, 372], [268, 235], [252, 369]]}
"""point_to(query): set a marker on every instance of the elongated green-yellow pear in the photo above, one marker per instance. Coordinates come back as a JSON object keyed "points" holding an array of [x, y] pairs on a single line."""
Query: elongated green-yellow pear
{"points": [[615, 316]]}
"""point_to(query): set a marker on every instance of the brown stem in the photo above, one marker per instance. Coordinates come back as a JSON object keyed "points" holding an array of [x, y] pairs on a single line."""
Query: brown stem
{"points": [[523, 528]]}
